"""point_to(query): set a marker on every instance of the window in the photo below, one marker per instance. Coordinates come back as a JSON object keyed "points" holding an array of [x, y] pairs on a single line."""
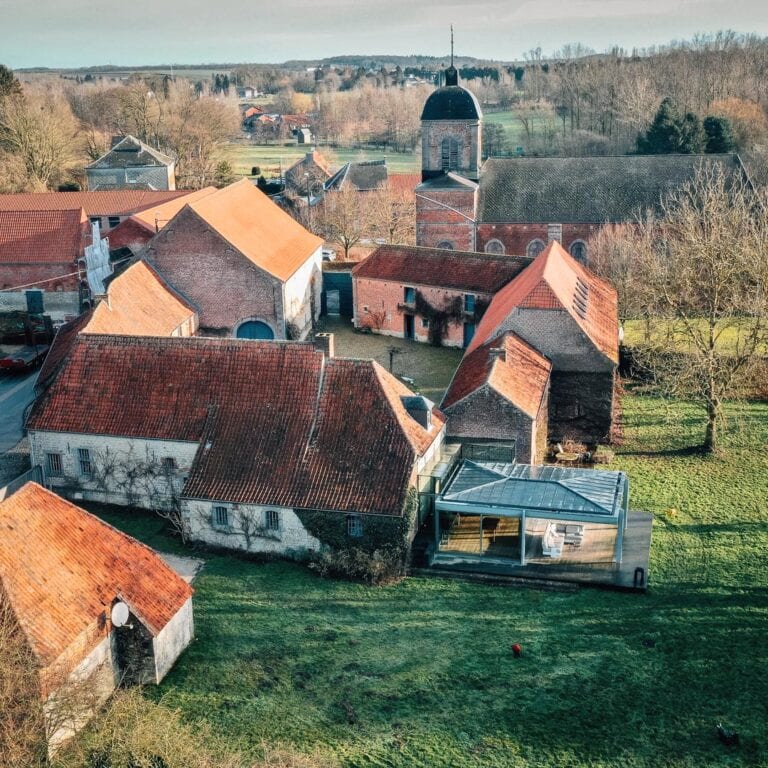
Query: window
{"points": [[84, 457], [354, 526], [469, 302], [578, 250], [449, 154], [495, 246], [169, 464], [424, 322], [272, 520], [220, 517], [113, 221], [409, 296], [95, 220], [54, 464], [446, 245], [535, 247]]}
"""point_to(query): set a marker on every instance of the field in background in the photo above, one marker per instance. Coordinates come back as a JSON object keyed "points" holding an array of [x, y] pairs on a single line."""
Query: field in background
{"points": [[421, 674]]}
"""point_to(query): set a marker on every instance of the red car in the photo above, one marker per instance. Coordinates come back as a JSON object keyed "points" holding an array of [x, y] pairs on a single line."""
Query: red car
{"points": [[24, 359]]}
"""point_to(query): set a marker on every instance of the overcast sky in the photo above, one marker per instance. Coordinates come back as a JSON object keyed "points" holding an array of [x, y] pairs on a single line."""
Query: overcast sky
{"points": [[71, 33]]}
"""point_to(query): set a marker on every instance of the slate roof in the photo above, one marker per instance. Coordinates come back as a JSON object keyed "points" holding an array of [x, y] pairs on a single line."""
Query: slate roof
{"points": [[584, 189], [556, 281], [140, 303], [113, 202], [62, 567], [518, 373], [448, 180], [557, 491], [262, 231], [363, 176], [451, 102], [42, 237], [273, 419], [130, 152], [462, 271]]}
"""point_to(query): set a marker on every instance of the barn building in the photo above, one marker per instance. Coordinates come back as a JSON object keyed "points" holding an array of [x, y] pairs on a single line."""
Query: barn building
{"points": [[96, 608], [254, 442], [251, 270]]}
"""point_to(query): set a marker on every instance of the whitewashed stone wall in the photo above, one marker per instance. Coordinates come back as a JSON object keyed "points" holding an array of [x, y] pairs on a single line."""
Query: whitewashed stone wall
{"points": [[173, 638], [298, 293], [247, 528], [112, 458]]}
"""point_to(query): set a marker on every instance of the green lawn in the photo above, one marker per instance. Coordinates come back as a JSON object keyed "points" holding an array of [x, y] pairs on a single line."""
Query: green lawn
{"points": [[421, 673], [672, 335], [244, 156]]}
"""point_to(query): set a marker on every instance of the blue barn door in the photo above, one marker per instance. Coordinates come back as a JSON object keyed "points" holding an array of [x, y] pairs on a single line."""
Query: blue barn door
{"points": [[255, 329]]}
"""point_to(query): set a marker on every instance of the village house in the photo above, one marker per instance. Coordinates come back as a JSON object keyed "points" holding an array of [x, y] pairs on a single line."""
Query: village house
{"points": [[131, 163], [39, 251], [516, 205], [363, 176], [560, 314], [306, 177], [250, 269], [254, 443], [96, 608], [428, 294], [107, 208]]}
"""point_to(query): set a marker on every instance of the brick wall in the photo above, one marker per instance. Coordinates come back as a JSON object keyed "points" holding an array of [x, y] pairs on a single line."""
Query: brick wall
{"points": [[468, 135], [225, 286], [436, 222], [381, 298], [12, 275], [517, 236], [486, 416]]}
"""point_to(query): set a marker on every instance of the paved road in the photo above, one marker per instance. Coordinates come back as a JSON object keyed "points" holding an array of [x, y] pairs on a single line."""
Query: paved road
{"points": [[16, 393]]}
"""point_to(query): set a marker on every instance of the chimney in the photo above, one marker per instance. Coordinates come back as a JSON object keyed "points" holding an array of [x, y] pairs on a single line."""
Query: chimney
{"points": [[498, 353], [555, 232], [419, 409], [324, 342]]}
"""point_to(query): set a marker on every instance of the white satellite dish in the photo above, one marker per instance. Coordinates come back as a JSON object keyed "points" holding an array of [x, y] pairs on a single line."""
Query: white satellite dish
{"points": [[120, 614]]}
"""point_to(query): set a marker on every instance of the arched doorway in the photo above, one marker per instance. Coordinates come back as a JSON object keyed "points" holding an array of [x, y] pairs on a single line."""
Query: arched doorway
{"points": [[255, 329]]}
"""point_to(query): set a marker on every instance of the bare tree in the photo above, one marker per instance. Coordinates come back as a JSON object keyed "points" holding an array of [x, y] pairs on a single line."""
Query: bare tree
{"points": [[703, 264], [393, 215], [42, 137], [345, 217]]}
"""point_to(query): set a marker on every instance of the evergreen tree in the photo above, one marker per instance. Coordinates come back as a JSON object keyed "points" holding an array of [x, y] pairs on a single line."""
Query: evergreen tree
{"points": [[663, 135], [9, 85], [692, 140], [719, 135]]}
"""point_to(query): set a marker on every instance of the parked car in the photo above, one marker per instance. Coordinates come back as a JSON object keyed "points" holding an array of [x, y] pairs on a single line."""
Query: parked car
{"points": [[24, 359]]}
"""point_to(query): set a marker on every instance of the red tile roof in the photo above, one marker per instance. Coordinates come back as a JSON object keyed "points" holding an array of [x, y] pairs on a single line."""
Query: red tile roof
{"points": [[555, 280], [463, 271], [404, 182], [116, 202], [264, 233], [42, 237], [62, 344], [273, 419], [140, 303], [61, 568], [518, 373]]}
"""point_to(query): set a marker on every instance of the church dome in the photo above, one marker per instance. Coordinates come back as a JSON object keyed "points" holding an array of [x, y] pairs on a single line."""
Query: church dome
{"points": [[451, 102]]}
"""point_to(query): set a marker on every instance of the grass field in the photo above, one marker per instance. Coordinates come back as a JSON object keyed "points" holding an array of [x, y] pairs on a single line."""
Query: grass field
{"points": [[672, 337], [244, 156], [421, 673]]}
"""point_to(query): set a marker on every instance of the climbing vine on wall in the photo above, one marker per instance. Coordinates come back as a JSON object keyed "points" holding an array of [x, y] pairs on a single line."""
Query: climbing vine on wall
{"points": [[439, 317]]}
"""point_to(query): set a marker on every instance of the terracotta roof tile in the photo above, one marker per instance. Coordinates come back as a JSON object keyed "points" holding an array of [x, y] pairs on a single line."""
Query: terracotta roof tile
{"points": [[42, 237], [273, 420], [139, 303], [62, 567], [115, 202], [518, 373], [404, 182], [62, 344], [259, 229], [463, 271], [555, 280]]}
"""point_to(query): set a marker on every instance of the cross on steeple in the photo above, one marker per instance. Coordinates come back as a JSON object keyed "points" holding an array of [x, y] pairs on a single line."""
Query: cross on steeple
{"points": [[451, 75]]}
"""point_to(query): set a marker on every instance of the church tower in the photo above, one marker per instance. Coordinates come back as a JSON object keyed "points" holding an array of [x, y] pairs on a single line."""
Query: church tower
{"points": [[451, 130], [447, 198]]}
